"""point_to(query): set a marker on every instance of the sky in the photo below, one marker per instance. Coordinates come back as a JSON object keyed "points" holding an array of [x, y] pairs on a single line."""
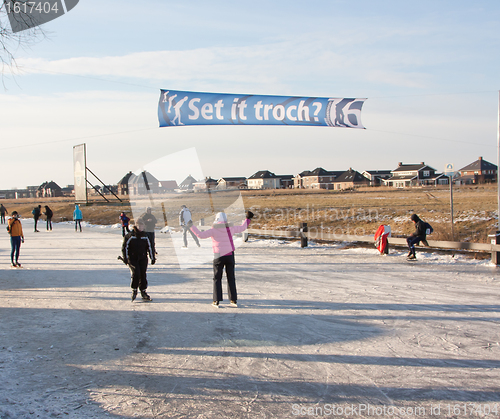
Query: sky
{"points": [[430, 72]]}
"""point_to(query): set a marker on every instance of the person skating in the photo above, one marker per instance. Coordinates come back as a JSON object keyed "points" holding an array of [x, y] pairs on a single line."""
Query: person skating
{"points": [[135, 251], [48, 214], [223, 248], [3, 213], [37, 212], [419, 235], [15, 230], [78, 217], [150, 223], [184, 219], [125, 222]]}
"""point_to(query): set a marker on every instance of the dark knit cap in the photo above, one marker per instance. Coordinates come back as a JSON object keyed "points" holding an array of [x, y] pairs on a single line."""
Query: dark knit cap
{"points": [[414, 217]]}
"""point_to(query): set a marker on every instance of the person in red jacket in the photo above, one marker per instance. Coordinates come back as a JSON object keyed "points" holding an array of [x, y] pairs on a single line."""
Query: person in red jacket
{"points": [[223, 248]]}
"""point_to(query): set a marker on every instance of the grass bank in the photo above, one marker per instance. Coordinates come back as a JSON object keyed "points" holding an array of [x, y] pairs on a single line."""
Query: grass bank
{"points": [[359, 211]]}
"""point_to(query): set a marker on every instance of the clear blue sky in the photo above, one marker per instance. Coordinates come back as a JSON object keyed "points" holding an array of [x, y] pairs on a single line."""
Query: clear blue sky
{"points": [[430, 71]]}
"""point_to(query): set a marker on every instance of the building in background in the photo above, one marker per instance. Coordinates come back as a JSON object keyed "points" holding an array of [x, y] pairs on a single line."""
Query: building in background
{"points": [[122, 186], [376, 177], [318, 178], [204, 185], [350, 179], [232, 183], [286, 181], [480, 171], [407, 175], [263, 179], [187, 184], [49, 190]]}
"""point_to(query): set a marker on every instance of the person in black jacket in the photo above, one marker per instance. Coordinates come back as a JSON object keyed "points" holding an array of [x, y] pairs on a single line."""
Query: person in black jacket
{"points": [[419, 235], [37, 211], [150, 223], [3, 211], [135, 251], [48, 213]]}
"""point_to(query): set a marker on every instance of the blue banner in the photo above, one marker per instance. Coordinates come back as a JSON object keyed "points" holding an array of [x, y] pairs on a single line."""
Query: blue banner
{"points": [[178, 108]]}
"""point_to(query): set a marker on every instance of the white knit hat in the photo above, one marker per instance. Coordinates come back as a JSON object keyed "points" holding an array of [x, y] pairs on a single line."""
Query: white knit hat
{"points": [[221, 217]]}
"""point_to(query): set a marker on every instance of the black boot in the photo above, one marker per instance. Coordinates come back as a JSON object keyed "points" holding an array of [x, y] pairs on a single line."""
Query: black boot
{"points": [[134, 294], [145, 295]]}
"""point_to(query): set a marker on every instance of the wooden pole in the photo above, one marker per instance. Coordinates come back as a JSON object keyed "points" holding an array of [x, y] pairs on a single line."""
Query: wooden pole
{"points": [[451, 208]]}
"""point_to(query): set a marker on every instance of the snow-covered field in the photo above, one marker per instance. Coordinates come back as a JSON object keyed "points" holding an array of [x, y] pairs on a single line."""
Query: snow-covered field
{"points": [[321, 331]]}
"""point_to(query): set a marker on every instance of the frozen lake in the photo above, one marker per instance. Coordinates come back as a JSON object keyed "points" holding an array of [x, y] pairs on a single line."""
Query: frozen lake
{"points": [[318, 331]]}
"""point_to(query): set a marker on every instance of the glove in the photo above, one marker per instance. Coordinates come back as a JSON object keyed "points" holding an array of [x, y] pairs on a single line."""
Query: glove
{"points": [[153, 261], [190, 223], [22, 240], [125, 261], [249, 215]]}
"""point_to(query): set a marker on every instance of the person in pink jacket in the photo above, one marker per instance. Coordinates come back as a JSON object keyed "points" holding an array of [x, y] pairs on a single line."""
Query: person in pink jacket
{"points": [[223, 247]]}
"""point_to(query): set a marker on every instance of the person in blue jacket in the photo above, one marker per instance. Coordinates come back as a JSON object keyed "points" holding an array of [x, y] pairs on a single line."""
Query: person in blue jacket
{"points": [[77, 217]]}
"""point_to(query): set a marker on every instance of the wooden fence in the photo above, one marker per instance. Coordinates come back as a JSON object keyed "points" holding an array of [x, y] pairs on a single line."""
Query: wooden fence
{"points": [[444, 245]]}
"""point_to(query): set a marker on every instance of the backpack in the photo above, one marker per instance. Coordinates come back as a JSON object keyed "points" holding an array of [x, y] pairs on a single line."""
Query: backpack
{"points": [[428, 229], [9, 228]]}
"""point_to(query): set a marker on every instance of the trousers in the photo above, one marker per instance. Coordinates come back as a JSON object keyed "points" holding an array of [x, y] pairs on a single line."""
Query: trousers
{"points": [[184, 236], [15, 243], [220, 263], [138, 270]]}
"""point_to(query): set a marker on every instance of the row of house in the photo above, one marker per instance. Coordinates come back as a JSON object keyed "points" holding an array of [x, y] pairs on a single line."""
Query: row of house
{"points": [[403, 176], [49, 189]]}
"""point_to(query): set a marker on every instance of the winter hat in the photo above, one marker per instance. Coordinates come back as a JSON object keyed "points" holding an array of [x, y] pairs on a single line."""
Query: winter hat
{"points": [[414, 217], [140, 224], [221, 217]]}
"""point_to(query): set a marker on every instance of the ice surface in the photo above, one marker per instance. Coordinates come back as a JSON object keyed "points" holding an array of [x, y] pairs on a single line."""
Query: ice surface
{"points": [[315, 328]]}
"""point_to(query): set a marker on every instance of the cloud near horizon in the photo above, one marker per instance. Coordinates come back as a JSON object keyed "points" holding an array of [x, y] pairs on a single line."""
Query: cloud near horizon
{"points": [[278, 65]]}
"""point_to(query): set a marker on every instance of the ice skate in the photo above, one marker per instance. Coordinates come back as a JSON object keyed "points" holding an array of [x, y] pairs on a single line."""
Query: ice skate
{"points": [[145, 296], [134, 294], [233, 304], [215, 304]]}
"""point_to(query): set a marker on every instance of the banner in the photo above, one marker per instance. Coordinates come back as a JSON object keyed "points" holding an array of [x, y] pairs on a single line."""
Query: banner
{"points": [[80, 173], [177, 108]]}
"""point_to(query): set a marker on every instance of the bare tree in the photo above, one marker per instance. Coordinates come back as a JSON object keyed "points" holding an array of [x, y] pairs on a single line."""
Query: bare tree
{"points": [[17, 30]]}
